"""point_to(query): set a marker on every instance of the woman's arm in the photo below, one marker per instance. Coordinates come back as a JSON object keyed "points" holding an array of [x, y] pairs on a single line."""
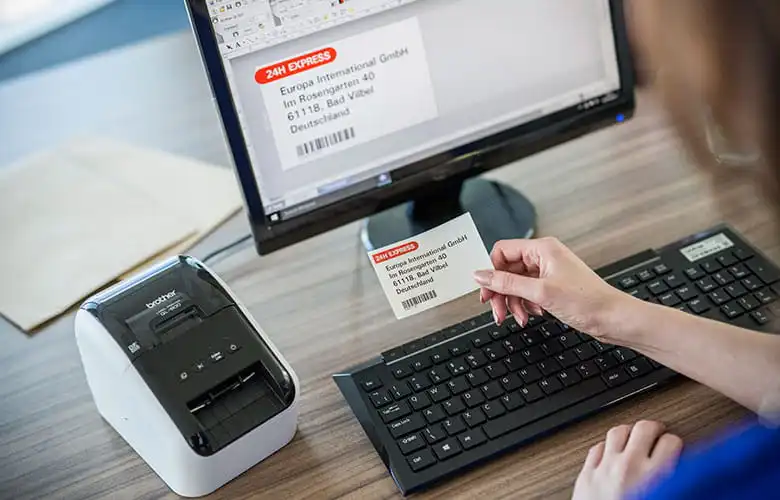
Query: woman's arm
{"points": [[742, 364]]}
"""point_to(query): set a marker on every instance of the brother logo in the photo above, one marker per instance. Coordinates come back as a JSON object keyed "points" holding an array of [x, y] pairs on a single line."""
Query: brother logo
{"points": [[162, 298]]}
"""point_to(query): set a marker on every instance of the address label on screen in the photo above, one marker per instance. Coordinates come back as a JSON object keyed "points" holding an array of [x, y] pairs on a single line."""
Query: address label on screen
{"points": [[347, 93], [708, 247]]}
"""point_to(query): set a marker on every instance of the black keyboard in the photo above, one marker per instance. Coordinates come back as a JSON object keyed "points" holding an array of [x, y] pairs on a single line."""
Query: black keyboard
{"points": [[444, 402]]}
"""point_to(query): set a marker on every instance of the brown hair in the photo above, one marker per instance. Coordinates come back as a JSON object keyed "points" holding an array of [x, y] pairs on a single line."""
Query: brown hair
{"points": [[722, 56]]}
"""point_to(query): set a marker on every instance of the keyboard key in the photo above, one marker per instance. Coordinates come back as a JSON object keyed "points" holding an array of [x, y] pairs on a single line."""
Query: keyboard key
{"points": [[515, 362], [674, 281], [511, 382], [493, 409], [606, 363], [400, 390], [421, 460], [638, 368], [686, 293], [569, 377], [511, 325], [458, 385], [459, 348], [585, 351], [752, 283], [706, 285], [480, 339], [402, 371], [530, 374], [628, 282], [623, 354], [477, 378], [419, 401], [411, 443], [447, 449], [760, 317], [569, 341], [742, 254], [698, 306], [394, 412], [492, 390], [434, 433], [587, 369], [532, 337], [552, 347], [434, 338], [533, 355], [380, 398], [476, 359], [711, 266], [438, 375], [720, 297], [472, 438], [727, 259], [421, 363], [531, 393], [645, 275], [616, 377], [498, 333], [661, 269], [732, 310], [420, 382], [551, 330], [694, 273], [454, 425], [473, 398], [407, 425], [453, 331], [736, 290], [555, 403], [567, 358], [739, 271], [371, 384], [749, 302], [512, 344], [657, 287], [764, 296], [669, 299], [512, 401], [393, 354], [496, 370], [414, 346], [549, 367], [764, 273], [438, 393], [478, 321], [457, 367], [550, 385], [494, 352], [434, 414], [600, 347], [453, 406], [474, 417]]}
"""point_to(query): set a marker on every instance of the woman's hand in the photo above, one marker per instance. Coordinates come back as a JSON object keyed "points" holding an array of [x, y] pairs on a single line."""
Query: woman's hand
{"points": [[535, 275]]}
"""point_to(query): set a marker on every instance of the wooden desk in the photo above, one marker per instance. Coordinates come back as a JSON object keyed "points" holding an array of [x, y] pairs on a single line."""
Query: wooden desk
{"points": [[609, 195]]}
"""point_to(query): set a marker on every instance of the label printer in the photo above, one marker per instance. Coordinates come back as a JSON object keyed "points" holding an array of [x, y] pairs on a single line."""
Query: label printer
{"points": [[185, 375]]}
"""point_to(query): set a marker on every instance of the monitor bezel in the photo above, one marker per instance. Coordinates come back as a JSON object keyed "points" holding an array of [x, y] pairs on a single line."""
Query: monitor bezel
{"points": [[459, 163]]}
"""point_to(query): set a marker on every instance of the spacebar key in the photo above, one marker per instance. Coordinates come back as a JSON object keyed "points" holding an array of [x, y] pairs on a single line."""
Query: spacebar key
{"points": [[557, 402]]}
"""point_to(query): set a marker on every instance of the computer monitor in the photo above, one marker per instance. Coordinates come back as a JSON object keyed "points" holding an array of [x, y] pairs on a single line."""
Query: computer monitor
{"points": [[337, 110]]}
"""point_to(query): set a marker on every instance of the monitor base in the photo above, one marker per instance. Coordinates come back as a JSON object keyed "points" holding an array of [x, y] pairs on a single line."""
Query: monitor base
{"points": [[499, 212]]}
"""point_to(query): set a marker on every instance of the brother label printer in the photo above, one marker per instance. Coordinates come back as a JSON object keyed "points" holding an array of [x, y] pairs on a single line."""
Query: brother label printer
{"points": [[186, 376]]}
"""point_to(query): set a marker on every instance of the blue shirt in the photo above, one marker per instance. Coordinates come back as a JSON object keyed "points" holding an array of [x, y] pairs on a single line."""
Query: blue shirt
{"points": [[744, 464]]}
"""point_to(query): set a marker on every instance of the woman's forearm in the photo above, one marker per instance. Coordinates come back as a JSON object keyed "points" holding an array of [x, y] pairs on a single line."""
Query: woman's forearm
{"points": [[741, 364]]}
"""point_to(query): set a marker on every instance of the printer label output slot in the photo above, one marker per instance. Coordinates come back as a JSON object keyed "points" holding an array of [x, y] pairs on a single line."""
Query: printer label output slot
{"points": [[223, 392]]}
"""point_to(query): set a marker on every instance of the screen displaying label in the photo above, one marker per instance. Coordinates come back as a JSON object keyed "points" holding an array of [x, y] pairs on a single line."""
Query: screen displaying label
{"points": [[354, 91], [708, 247]]}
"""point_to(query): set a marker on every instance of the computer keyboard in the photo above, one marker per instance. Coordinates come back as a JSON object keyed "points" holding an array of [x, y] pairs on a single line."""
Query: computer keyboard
{"points": [[445, 402]]}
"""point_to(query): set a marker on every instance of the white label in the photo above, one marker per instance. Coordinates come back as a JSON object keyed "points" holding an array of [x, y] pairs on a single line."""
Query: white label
{"points": [[432, 268], [348, 93], [708, 247]]}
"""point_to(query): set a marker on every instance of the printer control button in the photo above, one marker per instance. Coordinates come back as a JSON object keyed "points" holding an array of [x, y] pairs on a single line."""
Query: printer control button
{"points": [[199, 366], [216, 357], [233, 347], [183, 376]]}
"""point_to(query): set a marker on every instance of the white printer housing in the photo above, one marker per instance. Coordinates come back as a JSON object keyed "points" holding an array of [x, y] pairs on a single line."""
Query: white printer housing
{"points": [[181, 370]]}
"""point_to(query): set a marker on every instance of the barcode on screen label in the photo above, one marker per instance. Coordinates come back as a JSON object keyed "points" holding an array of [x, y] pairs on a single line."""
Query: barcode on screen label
{"points": [[416, 301], [325, 142]]}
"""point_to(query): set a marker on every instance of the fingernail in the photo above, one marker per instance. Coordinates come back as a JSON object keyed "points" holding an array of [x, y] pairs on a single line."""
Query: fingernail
{"points": [[495, 319], [483, 277]]}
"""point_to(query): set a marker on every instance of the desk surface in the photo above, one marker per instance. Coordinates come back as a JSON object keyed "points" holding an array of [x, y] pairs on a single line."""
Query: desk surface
{"points": [[609, 195]]}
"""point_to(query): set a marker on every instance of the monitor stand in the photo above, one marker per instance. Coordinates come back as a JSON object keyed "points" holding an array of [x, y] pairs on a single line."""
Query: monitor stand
{"points": [[499, 213]]}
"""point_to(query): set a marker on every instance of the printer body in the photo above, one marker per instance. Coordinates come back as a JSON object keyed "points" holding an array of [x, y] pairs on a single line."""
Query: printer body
{"points": [[181, 370]]}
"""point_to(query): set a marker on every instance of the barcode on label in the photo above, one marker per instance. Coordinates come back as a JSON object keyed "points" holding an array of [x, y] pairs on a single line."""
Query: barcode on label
{"points": [[416, 301], [325, 142]]}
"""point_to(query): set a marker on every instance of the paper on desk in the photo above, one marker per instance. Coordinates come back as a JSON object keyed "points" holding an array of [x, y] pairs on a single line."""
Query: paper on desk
{"points": [[75, 219], [431, 268]]}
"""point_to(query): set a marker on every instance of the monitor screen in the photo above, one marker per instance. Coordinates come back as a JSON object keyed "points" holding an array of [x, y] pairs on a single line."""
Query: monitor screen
{"points": [[335, 98]]}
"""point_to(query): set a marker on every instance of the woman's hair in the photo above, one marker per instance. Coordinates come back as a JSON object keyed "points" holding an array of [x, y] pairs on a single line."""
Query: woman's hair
{"points": [[717, 60]]}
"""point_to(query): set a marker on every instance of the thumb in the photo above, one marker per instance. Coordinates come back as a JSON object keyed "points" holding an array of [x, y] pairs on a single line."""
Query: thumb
{"points": [[510, 284]]}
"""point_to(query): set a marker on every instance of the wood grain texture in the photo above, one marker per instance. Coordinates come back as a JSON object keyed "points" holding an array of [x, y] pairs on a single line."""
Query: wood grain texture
{"points": [[608, 195]]}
